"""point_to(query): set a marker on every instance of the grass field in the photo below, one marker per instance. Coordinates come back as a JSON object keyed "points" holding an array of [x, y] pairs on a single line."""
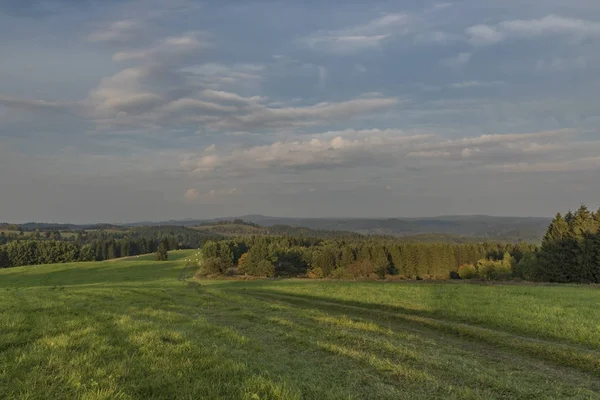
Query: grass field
{"points": [[138, 328]]}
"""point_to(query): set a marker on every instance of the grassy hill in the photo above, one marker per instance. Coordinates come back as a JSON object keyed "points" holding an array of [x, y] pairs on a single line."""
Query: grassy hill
{"points": [[137, 328]]}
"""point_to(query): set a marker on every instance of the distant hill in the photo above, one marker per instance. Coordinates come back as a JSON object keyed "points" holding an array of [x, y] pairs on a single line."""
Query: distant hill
{"points": [[479, 226], [444, 228], [239, 227]]}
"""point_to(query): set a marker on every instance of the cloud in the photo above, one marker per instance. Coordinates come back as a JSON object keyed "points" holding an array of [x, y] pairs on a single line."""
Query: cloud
{"points": [[581, 164], [35, 105], [471, 84], [457, 61], [360, 37], [429, 154], [260, 116], [214, 75], [468, 152], [191, 195], [169, 89], [118, 31], [551, 25], [437, 37], [563, 64], [372, 148], [167, 51]]}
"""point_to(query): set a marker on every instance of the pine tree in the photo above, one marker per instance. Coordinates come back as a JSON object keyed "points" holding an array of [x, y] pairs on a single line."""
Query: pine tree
{"points": [[162, 253], [554, 259]]}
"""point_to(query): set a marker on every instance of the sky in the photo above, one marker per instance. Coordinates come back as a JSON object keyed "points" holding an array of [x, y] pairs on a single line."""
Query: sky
{"points": [[117, 111]]}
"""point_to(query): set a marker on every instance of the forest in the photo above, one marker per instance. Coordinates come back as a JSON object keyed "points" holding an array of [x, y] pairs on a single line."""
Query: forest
{"points": [[569, 252], [94, 245], [363, 259]]}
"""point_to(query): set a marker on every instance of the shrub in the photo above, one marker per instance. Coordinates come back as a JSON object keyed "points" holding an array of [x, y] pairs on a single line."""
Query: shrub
{"points": [[467, 271], [486, 269], [502, 271], [315, 273], [339, 273], [212, 266], [495, 270]]}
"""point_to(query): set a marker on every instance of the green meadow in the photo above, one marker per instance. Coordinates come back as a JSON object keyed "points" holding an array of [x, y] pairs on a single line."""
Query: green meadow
{"points": [[141, 329]]}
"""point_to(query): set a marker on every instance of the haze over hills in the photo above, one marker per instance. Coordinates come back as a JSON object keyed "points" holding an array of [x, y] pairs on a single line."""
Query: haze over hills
{"points": [[480, 226], [472, 226]]}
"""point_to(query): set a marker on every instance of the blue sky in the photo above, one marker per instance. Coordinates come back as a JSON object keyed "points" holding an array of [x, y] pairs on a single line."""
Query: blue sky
{"points": [[120, 111]]}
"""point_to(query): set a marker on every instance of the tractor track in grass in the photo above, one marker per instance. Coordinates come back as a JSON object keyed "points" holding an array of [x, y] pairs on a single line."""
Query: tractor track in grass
{"points": [[556, 353]]}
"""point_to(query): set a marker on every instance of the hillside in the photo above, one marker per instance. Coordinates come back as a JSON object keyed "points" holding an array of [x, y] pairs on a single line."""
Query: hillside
{"points": [[138, 328], [496, 228]]}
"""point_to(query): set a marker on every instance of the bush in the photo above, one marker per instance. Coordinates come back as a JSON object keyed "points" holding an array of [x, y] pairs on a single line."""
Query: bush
{"points": [[338, 273], [467, 271], [486, 269], [211, 267], [315, 273], [502, 271], [495, 270]]}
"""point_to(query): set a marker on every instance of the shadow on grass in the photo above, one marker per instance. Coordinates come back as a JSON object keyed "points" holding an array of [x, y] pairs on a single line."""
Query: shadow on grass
{"points": [[558, 353], [95, 274]]}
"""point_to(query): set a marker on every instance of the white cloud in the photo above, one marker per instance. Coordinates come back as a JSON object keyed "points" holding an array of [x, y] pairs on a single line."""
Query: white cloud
{"points": [[481, 35], [471, 84], [118, 31], [563, 63], [429, 154], [35, 105], [581, 164], [168, 50], [457, 61], [361, 37], [374, 148], [191, 195], [468, 152], [436, 37], [164, 91], [260, 116]]}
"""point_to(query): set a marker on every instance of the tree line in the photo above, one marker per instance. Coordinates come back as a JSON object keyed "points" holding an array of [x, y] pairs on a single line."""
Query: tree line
{"points": [[98, 246], [367, 258]]}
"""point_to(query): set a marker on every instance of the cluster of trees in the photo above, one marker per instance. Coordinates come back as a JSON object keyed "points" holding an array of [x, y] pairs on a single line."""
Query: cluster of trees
{"points": [[570, 250], [318, 258], [28, 252], [98, 245], [490, 269]]}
